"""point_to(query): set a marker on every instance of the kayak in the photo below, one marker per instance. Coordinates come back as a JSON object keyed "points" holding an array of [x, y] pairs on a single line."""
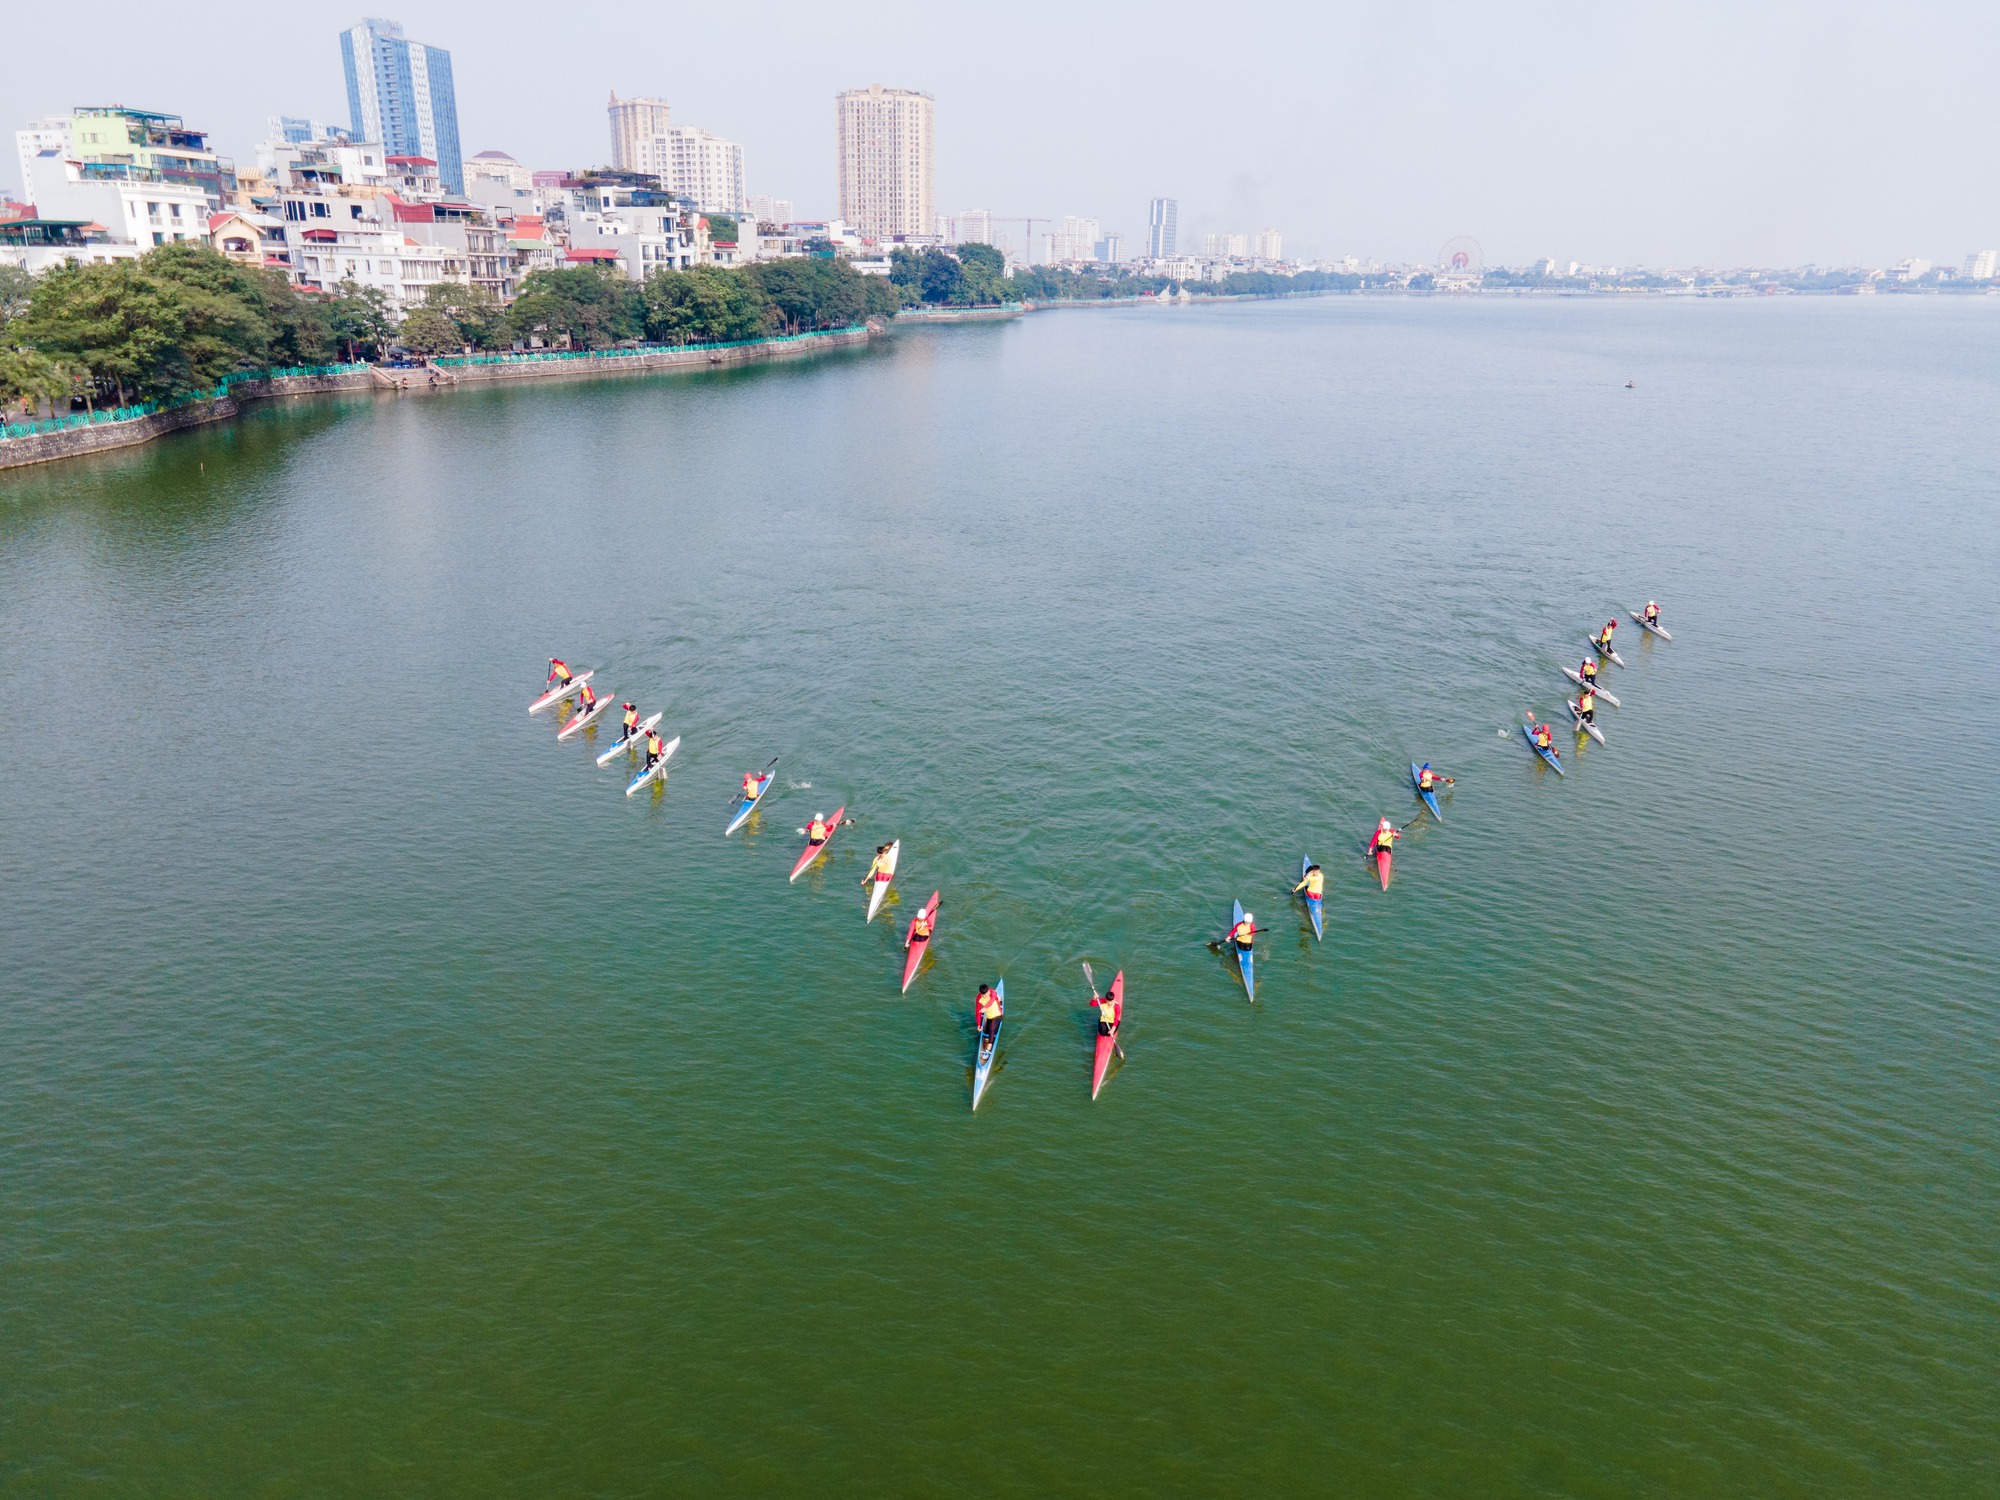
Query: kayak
{"points": [[1314, 904], [1645, 624], [1550, 755], [916, 946], [595, 713], [982, 1058], [882, 881], [1603, 650], [1105, 1044], [1581, 726], [658, 768], [630, 741], [557, 694], [1605, 693], [1430, 797], [747, 805], [1246, 963], [1383, 859], [814, 851]]}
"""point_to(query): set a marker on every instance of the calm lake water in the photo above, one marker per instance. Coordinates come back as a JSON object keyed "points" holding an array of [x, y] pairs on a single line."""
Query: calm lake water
{"points": [[390, 1106]]}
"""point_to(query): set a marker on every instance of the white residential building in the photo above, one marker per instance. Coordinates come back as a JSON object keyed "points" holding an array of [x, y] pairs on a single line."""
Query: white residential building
{"points": [[129, 207], [640, 230], [768, 210], [975, 227], [376, 255], [41, 146], [1072, 239], [1270, 245], [886, 161], [635, 125], [1982, 265]]}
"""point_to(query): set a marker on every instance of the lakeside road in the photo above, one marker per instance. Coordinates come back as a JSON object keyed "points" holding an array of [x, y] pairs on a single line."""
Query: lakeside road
{"points": [[389, 1104]]}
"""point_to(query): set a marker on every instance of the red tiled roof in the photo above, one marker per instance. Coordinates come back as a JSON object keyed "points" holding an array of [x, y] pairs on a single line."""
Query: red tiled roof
{"points": [[410, 161], [591, 255], [320, 236]]}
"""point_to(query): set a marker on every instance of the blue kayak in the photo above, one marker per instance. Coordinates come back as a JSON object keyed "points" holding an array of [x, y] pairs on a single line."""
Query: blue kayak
{"points": [[1314, 904], [1430, 798], [984, 1046], [1246, 962], [1548, 755], [747, 805]]}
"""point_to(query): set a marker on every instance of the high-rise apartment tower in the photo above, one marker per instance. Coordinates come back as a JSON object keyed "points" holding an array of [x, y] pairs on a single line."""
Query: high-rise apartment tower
{"points": [[690, 162], [399, 93], [1160, 220], [886, 166]]}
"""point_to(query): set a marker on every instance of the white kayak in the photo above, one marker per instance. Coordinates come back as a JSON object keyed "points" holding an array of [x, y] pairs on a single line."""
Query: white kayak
{"points": [[658, 767], [631, 741], [1583, 726], [597, 711], [1603, 650], [1646, 624], [1605, 693], [881, 881], [557, 694]]}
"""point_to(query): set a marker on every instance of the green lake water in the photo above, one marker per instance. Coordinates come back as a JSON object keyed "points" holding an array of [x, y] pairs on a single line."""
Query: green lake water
{"points": [[390, 1106]]}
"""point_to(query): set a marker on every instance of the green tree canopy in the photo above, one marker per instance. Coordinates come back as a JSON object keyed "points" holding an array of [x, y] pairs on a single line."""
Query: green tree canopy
{"points": [[592, 307], [476, 312], [428, 332], [706, 305]]}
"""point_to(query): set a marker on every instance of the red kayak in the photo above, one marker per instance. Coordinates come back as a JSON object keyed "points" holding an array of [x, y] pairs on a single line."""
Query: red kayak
{"points": [[916, 946], [1104, 1043], [1382, 858], [814, 851]]}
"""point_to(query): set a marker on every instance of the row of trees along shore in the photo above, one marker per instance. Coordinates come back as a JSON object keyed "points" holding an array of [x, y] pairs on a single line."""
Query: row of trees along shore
{"points": [[176, 321]]}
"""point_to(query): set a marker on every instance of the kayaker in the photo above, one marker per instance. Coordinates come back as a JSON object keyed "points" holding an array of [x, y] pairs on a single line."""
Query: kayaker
{"points": [[1588, 671], [986, 1010], [751, 782], [1652, 613], [586, 699], [879, 866], [1386, 834], [1586, 707], [920, 928], [1314, 883], [1108, 1015], [1427, 779], [1244, 933], [655, 748], [1544, 740], [558, 672], [1604, 635], [818, 831], [631, 722]]}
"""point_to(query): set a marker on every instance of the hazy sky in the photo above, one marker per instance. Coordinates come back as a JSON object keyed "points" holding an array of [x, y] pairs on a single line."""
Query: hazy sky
{"points": [[1614, 133]]}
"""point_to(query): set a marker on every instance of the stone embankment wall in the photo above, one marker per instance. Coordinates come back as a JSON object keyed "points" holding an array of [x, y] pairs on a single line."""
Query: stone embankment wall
{"points": [[45, 447]]}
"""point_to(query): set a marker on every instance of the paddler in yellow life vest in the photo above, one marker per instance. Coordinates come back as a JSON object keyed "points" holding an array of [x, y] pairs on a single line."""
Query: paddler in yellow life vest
{"points": [[879, 865], [1652, 613], [1604, 636], [1109, 1014], [586, 699], [817, 831], [1386, 834], [1314, 883], [631, 722], [751, 781], [1544, 740], [558, 672], [920, 929], [1244, 933], [655, 748], [1588, 670], [1586, 707], [1429, 780], [986, 1008]]}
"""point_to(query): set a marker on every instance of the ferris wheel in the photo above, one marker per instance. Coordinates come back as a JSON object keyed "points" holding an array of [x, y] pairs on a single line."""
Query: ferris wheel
{"points": [[1461, 253]]}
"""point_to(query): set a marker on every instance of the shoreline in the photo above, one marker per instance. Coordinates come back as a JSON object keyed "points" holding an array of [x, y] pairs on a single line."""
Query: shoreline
{"points": [[438, 375]]}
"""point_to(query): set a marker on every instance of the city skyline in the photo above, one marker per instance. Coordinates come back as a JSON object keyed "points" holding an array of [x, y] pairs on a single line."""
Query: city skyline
{"points": [[1777, 140]]}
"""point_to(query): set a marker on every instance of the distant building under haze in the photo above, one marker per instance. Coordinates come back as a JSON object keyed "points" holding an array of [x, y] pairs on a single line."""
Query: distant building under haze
{"points": [[886, 162], [1162, 224]]}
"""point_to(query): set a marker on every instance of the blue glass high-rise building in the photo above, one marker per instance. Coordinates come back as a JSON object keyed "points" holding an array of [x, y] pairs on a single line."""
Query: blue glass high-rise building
{"points": [[399, 93]]}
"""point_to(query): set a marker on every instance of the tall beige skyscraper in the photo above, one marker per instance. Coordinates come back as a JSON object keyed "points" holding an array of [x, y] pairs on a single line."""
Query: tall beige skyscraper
{"points": [[886, 161], [635, 124]]}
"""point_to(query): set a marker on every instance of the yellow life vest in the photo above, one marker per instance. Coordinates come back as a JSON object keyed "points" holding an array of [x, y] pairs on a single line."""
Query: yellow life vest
{"points": [[1107, 1012], [631, 719]]}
